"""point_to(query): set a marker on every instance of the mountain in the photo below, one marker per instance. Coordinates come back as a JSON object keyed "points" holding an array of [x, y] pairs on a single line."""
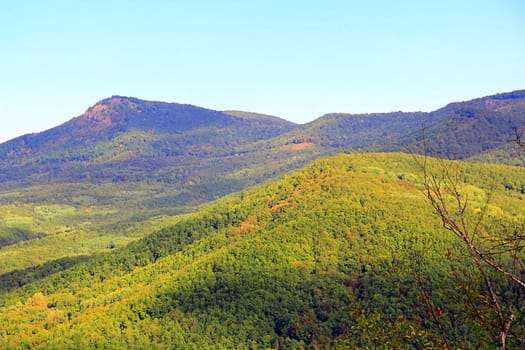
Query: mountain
{"points": [[358, 132], [467, 129], [459, 130], [122, 132], [345, 253], [123, 161], [127, 165], [119, 136], [104, 242]]}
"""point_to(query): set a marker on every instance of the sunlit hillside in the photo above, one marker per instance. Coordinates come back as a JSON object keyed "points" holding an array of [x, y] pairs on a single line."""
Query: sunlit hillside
{"points": [[344, 253]]}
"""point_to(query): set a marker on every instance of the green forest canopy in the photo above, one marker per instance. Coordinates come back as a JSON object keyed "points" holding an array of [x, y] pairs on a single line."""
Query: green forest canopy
{"points": [[337, 254]]}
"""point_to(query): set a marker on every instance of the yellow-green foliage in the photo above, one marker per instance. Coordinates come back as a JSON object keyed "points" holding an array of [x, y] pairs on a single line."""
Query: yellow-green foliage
{"points": [[69, 232], [24, 221], [334, 255]]}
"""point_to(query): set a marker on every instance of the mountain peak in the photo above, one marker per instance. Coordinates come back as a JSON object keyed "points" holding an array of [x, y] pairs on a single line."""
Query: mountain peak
{"points": [[112, 109], [125, 129]]}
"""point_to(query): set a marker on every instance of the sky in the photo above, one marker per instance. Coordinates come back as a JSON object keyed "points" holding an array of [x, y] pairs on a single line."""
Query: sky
{"points": [[294, 59]]}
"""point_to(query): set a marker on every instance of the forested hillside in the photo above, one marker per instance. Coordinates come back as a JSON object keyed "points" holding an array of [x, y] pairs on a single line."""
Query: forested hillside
{"points": [[126, 139], [458, 131], [343, 253], [126, 166], [98, 180], [472, 128]]}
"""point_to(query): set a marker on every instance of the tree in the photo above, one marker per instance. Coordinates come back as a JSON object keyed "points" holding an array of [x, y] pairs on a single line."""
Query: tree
{"points": [[496, 260], [520, 135]]}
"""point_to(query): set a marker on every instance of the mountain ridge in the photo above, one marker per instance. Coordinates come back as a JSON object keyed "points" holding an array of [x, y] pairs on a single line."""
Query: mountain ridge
{"points": [[348, 132], [96, 111], [170, 158], [458, 130], [117, 114]]}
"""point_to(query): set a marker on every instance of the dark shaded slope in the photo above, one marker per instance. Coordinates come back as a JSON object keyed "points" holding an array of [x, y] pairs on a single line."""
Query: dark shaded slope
{"points": [[458, 131], [466, 129]]}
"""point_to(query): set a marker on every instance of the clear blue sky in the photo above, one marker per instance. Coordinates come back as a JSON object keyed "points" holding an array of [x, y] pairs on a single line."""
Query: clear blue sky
{"points": [[295, 59]]}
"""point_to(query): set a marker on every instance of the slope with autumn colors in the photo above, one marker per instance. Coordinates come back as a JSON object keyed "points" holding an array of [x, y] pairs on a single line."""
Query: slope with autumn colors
{"points": [[127, 165], [345, 253]]}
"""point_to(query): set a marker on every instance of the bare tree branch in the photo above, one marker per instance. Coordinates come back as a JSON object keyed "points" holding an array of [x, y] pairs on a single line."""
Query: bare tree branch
{"points": [[444, 185]]}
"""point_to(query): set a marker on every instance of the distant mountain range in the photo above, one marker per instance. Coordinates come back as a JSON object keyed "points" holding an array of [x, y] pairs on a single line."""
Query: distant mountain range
{"points": [[172, 157], [457, 131], [122, 132], [127, 139]]}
